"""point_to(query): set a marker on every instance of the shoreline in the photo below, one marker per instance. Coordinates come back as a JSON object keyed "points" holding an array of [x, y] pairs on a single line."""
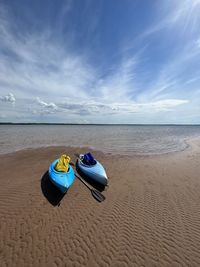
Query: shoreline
{"points": [[189, 142]]}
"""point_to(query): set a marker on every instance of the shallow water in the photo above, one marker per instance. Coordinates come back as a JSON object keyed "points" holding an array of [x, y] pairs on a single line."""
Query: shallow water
{"points": [[126, 139]]}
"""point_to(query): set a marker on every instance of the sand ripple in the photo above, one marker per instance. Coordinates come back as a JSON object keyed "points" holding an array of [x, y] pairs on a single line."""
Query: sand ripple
{"points": [[151, 215]]}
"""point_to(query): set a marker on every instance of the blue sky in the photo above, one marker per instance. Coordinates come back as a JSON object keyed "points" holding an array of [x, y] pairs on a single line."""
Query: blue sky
{"points": [[85, 61]]}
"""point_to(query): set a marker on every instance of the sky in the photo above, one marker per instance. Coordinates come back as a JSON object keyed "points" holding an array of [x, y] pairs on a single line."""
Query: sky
{"points": [[105, 61]]}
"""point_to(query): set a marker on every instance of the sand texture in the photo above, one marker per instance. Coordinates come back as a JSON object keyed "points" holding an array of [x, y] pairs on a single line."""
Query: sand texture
{"points": [[151, 215]]}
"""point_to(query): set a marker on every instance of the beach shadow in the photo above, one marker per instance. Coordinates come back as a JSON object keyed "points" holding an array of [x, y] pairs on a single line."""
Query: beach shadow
{"points": [[50, 192], [90, 181]]}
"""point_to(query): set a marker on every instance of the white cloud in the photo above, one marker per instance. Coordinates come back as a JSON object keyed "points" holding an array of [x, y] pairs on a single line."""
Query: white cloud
{"points": [[50, 105], [94, 108], [118, 85], [46, 108], [66, 82], [40, 64], [46, 68], [150, 107], [177, 14], [8, 98]]}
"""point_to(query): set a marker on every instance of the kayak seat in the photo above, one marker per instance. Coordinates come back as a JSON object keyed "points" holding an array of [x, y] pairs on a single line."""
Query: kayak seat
{"points": [[89, 159]]}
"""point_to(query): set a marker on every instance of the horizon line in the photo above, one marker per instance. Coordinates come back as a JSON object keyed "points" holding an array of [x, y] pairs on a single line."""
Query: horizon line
{"points": [[101, 124]]}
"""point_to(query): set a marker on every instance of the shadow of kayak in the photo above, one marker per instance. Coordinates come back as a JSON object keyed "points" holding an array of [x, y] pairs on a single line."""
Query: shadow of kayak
{"points": [[50, 192]]}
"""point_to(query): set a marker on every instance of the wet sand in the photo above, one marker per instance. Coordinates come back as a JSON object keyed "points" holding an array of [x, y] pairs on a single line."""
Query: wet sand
{"points": [[151, 215]]}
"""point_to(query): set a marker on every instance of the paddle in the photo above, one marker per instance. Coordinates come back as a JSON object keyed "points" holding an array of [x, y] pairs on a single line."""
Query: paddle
{"points": [[95, 193]]}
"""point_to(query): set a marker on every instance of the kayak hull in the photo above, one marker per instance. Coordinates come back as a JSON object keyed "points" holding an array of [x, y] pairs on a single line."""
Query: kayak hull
{"points": [[94, 172], [62, 180]]}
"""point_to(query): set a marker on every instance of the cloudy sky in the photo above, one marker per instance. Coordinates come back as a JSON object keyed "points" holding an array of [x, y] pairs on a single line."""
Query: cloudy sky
{"points": [[105, 61]]}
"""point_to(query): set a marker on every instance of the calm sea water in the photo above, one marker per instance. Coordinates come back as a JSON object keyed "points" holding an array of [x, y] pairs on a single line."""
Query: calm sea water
{"points": [[127, 140]]}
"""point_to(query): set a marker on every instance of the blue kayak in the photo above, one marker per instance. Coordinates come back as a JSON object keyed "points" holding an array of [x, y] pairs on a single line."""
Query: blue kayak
{"points": [[62, 180], [94, 170]]}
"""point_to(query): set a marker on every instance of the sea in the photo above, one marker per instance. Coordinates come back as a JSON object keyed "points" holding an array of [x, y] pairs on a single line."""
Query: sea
{"points": [[114, 139]]}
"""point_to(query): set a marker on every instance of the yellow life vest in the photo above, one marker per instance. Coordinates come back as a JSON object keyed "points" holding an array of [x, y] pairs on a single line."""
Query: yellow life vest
{"points": [[63, 164]]}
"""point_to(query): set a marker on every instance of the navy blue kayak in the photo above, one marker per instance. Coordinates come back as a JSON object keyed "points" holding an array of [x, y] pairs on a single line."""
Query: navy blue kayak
{"points": [[62, 180]]}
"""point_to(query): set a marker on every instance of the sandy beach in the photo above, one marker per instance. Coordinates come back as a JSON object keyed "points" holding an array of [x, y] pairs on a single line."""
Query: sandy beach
{"points": [[151, 215]]}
